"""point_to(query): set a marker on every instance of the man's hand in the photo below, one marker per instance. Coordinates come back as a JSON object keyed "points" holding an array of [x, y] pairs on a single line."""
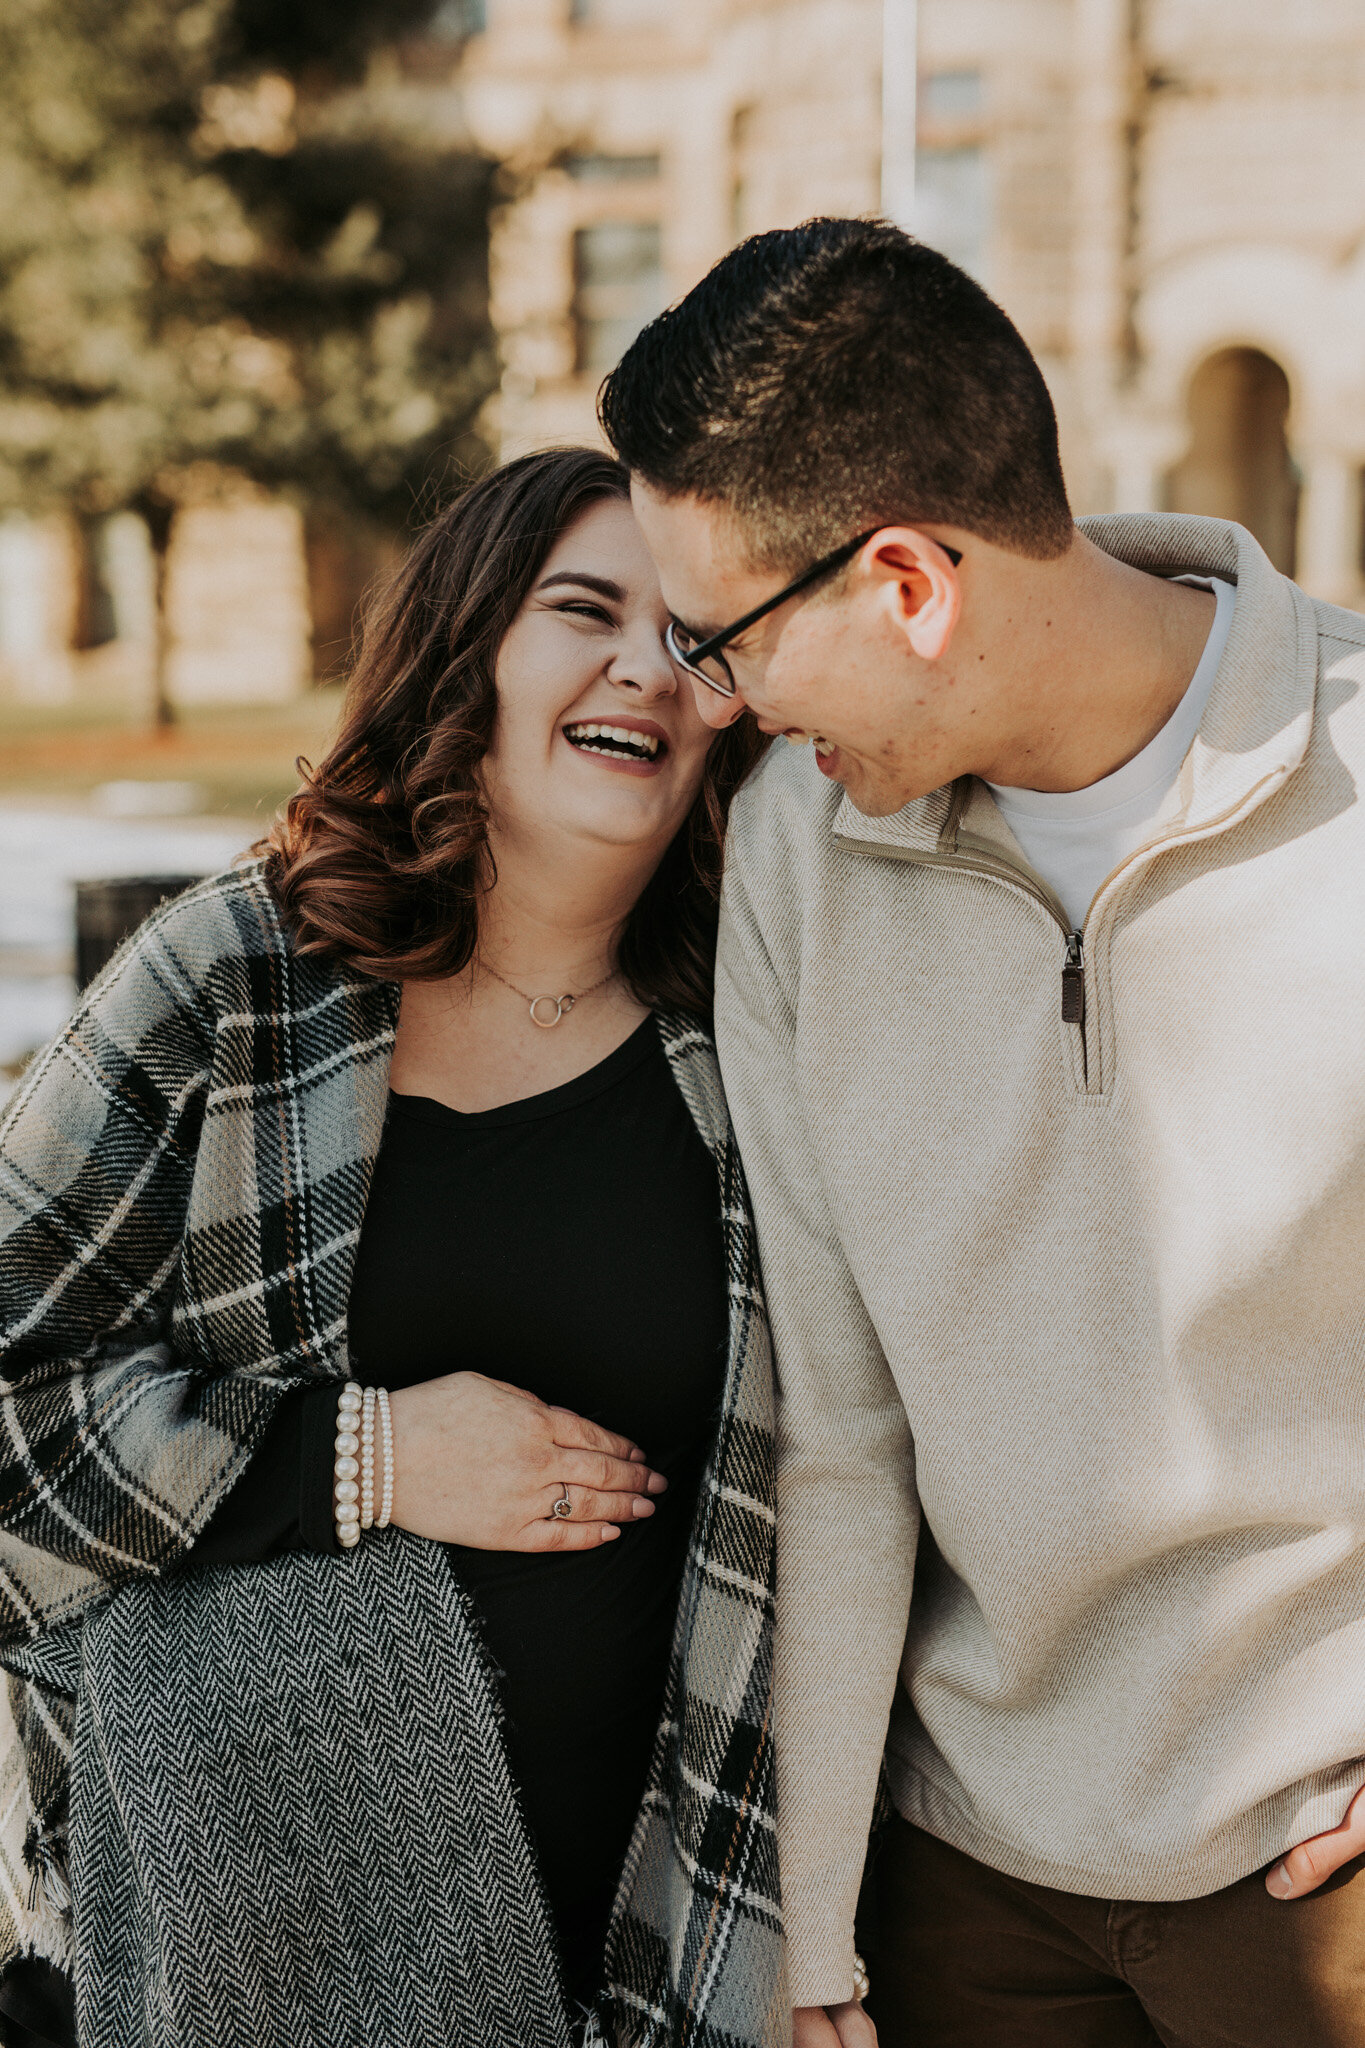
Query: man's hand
{"points": [[1313, 1862], [832, 2026]]}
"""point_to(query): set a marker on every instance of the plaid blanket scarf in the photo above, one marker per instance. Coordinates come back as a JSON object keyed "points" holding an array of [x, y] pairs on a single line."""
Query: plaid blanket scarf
{"points": [[269, 1806]]}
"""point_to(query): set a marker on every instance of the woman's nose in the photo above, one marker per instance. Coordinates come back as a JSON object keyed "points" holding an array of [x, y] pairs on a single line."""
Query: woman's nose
{"points": [[645, 667]]}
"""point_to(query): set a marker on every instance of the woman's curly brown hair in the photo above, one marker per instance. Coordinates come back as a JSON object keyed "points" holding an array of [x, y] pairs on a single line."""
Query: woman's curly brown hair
{"points": [[380, 858]]}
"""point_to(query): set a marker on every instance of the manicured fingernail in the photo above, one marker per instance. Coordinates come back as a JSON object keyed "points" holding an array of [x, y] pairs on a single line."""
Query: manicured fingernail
{"points": [[637, 1456], [657, 1483], [610, 1532], [640, 1507], [1279, 1883]]}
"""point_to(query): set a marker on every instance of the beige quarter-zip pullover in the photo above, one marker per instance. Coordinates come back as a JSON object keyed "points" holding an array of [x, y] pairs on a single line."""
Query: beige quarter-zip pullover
{"points": [[1065, 1254]]}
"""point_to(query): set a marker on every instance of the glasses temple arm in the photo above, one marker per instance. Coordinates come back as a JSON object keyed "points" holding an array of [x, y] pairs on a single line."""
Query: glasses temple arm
{"points": [[770, 604]]}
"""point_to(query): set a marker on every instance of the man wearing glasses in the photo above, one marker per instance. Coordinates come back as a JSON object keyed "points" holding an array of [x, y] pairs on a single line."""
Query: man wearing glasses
{"points": [[1041, 1006]]}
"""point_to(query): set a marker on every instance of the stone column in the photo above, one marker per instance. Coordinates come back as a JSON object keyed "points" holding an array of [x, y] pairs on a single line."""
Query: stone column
{"points": [[1139, 453], [900, 96], [1329, 538], [1138, 474], [1099, 207]]}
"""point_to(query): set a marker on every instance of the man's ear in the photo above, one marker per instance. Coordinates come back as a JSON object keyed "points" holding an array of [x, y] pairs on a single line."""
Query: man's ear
{"points": [[918, 584]]}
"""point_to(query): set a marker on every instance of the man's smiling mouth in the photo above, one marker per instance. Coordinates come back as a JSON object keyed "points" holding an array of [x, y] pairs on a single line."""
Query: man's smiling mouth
{"points": [[798, 737], [615, 741]]}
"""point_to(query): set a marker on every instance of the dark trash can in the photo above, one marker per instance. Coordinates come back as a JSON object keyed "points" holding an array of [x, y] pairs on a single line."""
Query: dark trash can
{"points": [[106, 912]]}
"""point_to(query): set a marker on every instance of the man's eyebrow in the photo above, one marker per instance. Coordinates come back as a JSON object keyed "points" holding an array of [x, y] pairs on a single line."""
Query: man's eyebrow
{"points": [[603, 585]]}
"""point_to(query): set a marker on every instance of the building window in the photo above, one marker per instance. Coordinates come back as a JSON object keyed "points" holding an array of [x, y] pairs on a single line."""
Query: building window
{"points": [[456, 19], [952, 210], [951, 95], [594, 169], [952, 204], [618, 289], [621, 13]]}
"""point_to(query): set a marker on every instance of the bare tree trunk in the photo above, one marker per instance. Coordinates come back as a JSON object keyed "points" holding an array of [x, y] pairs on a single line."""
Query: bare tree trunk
{"points": [[159, 515], [347, 555]]}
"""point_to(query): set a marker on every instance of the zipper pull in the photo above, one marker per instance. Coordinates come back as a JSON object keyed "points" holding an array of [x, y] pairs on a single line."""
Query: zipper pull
{"points": [[1073, 981]]}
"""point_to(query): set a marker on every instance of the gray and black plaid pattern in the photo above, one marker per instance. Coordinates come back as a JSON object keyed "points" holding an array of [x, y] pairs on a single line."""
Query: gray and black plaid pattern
{"points": [[182, 1180], [696, 1952]]}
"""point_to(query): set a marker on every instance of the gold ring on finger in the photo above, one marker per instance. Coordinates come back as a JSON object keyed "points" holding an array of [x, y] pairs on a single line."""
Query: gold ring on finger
{"points": [[563, 1507]]}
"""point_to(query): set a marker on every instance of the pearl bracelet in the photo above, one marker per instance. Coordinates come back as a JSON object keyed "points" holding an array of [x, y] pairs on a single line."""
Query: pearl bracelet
{"points": [[367, 1459], [346, 1468], [386, 1445], [861, 1982], [357, 1503]]}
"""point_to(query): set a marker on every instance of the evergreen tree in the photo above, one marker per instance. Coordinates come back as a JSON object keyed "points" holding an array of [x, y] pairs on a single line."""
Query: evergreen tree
{"points": [[210, 255]]}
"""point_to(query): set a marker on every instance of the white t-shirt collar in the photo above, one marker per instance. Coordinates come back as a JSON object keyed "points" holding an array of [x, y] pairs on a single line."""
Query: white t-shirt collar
{"points": [[1159, 763]]}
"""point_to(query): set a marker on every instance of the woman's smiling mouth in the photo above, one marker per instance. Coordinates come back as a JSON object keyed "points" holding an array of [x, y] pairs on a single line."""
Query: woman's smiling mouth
{"points": [[637, 746]]}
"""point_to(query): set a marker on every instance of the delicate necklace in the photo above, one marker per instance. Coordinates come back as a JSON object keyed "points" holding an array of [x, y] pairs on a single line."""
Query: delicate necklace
{"points": [[561, 1005]]}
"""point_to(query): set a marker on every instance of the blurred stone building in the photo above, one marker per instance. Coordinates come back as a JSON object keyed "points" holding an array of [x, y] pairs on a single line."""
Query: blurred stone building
{"points": [[78, 607], [1168, 196]]}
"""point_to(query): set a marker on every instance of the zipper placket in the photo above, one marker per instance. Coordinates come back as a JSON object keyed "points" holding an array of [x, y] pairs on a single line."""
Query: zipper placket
{"points": [[1074, 1004], [1073, 981], [1073, 969], [1073, 973]]}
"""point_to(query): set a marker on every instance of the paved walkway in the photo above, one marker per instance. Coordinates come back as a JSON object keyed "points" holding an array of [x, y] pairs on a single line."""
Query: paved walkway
{"points": [[43, 851]]}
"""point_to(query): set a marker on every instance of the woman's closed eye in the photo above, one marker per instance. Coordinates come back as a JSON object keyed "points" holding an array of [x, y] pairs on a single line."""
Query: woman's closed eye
{"points": [[584, 608]]}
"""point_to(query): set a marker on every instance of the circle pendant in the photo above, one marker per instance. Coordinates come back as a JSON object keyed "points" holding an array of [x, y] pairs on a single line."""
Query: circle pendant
{"points": [[560, 1005]]}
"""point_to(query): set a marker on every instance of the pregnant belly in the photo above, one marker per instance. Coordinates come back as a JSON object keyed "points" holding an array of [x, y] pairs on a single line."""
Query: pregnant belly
{"points": [[582, 1642]]}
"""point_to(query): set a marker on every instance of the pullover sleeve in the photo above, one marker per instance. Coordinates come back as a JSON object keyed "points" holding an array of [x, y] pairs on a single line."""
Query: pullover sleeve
{"points": [[847, 1513]]}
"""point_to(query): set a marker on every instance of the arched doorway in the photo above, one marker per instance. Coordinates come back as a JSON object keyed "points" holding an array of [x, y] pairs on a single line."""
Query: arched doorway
{"points": [[1238, 464]]}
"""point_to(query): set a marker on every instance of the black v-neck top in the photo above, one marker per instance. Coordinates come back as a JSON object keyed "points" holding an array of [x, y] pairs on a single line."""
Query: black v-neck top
{"points": [[569, 1244]]}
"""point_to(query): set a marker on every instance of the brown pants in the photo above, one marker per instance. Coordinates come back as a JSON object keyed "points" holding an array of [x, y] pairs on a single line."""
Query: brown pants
{"points": [[966, 1958]]}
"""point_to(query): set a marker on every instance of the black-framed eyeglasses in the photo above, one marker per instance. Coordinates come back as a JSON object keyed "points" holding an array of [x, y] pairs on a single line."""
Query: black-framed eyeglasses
{"points": [[704, 658]]}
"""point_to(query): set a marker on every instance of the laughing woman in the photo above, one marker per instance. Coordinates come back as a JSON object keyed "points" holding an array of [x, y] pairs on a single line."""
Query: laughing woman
{"points": [[433, 1717]]}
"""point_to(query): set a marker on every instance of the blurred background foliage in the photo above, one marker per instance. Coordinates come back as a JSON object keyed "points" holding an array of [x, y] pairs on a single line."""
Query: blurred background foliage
{"points": [[217, 258]]}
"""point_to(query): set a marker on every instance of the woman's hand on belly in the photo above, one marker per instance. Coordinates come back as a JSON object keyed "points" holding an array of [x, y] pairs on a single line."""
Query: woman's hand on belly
{"points": [[481, 1463]]}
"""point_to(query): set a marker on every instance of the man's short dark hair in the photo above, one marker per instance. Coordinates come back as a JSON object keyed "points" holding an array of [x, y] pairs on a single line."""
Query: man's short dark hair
{"points": [[836, 376]]}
